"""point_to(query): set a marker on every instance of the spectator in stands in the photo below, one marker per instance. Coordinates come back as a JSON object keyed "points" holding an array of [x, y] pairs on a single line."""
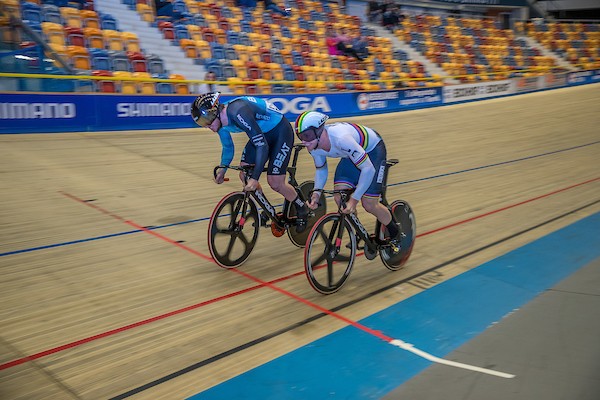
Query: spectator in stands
{"points": [[164, 8], [391, 18], [271, 5], [344, 45], [360, 45], [374, 11], [331, 41], [210, 86]]}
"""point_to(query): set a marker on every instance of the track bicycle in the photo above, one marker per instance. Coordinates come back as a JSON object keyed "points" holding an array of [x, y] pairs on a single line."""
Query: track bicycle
{"points": [[234, 224], [332, 242]]}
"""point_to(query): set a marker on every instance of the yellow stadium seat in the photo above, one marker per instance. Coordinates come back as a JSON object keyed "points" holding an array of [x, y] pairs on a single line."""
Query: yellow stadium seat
{"points": [[194, 32], [79, 56], [145, 11], [113, 40], [144, 87], [127, 87], [54, 33], [90, 19], [180, 87], [94, 38], [71, 17], [131, 41]]}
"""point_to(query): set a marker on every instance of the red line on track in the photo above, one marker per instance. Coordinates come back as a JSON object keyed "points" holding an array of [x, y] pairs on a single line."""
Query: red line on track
{"points": [[261, 283]]}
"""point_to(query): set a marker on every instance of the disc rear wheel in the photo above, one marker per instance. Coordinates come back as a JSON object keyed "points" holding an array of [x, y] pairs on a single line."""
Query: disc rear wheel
{"points": [[299, 239], [403, 215]]}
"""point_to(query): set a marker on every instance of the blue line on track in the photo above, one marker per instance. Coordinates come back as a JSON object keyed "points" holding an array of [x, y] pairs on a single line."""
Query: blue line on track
{"points": [[351, 364], [206, 218]]}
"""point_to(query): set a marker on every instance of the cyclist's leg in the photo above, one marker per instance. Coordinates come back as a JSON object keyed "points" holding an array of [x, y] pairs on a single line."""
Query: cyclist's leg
{"points": [[370, 200], [280, 139], [248, 157]]}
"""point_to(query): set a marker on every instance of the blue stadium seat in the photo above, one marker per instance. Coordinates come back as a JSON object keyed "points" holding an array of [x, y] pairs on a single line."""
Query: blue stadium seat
{"points": [[31, 12], [100, 59]]}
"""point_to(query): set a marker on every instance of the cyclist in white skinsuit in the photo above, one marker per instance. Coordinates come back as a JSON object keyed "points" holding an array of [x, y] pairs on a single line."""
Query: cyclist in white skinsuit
{"points": [[363, 155]]}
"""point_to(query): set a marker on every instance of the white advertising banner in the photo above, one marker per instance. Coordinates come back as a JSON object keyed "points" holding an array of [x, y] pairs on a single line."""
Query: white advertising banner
{"points": [[480, 90]]}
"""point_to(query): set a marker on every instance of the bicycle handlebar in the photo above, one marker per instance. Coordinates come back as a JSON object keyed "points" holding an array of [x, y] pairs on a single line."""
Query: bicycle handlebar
{"points": [[243, 168], [344, 194]]}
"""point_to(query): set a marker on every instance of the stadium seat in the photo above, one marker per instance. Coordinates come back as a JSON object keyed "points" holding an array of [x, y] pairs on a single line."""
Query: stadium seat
{"points": [[94, 38], [155, 64], [54, 33], [31, 12], [137, 61], [90, 19], [119, 61], [144, 87], [166, 27], [126, 87], [180, 87], [51, 13], [113, 40], [79, 57], [104, 86], [131, 41], [71, 17], [100, 59], [75, 36], [146, 12], [109, 22]]}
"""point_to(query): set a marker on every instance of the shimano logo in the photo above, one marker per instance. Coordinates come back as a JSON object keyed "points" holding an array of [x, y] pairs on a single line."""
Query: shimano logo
{"points": [[264, 202], [127, 110], [37, 110], [298, 105]]}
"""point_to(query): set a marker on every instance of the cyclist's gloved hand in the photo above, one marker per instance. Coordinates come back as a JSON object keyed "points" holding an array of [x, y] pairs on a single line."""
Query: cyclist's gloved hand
{"points": [[314, 200], [350, 206], [220, 175], [251, 186]]}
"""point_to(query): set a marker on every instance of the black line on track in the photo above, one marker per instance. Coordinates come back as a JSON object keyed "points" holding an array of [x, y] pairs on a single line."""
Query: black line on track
{"points": [[271, 335]]}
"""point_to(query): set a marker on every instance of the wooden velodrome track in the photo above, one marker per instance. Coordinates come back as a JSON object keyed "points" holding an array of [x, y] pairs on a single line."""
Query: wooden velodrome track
{"points": [[94, 305]]}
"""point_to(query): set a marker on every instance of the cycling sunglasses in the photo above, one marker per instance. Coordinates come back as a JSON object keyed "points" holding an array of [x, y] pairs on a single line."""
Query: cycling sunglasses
{"points": [[308, 135]]}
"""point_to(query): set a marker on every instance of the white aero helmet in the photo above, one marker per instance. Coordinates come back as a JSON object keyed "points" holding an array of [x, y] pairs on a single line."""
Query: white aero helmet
{"points": [[309, 125]]}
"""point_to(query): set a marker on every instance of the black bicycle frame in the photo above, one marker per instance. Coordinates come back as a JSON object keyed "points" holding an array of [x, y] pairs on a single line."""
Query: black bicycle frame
{"points": [[353, 220], [260, 197]]}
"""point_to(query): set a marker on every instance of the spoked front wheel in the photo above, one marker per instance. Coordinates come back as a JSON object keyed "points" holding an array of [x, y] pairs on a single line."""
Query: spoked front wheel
{"points": [[329, 253], [233, 230], [299, 239], [404, 215]]}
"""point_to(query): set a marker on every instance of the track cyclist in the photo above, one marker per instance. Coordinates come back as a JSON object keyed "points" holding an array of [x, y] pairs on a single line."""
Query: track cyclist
{"points": [[363, 155], [271, 138]]}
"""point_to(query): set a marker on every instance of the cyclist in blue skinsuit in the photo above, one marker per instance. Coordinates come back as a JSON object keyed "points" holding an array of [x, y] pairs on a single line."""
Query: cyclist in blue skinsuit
{"points": [[271, 139]]}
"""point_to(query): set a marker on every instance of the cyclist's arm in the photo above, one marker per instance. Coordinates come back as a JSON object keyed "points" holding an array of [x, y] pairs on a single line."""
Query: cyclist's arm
{"points": [[361, 160], [241, 115], [321, 172], [227, 147]]}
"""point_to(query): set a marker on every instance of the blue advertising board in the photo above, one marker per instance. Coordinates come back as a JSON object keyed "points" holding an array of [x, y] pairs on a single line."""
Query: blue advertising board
{"points": [[74, 112]]}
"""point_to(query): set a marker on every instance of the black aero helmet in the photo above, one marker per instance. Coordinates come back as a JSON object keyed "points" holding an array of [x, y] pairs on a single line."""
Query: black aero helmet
{"points": [[206, 108]]}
